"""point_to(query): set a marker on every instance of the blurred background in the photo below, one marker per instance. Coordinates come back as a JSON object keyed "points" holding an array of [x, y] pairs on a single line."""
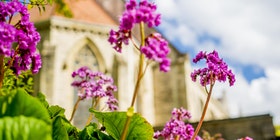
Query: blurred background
{"points": [[245, 33]]}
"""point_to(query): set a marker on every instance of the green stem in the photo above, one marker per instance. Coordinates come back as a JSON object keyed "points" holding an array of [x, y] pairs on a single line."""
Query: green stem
{"points": [[137, 86], [125, 130], [204, 111]]}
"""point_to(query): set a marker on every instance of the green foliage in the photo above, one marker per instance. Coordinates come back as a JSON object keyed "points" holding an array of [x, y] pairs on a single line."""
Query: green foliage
{"points": [[59, 130], [56, 111], [139, 128], [23, 117], [62, 128], [91, 132], [19, 102], [24, 128], [42, 99], [40, 4], [11, 82], [61, 6]]}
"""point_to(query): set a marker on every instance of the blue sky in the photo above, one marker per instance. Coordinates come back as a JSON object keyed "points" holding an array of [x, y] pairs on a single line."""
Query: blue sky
{"points": [[245, 33]]}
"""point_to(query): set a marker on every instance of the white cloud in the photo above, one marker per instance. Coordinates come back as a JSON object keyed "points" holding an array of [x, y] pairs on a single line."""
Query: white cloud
{"points": [[247, 28], [259, 97], [249, 33]]}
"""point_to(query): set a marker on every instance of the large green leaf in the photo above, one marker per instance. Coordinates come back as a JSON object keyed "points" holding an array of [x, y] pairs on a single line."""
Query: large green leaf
{"points": [[71, 130], [139, 128], [62, 128], [42, 99], [59, 130], [21, 103], [24, 128]]}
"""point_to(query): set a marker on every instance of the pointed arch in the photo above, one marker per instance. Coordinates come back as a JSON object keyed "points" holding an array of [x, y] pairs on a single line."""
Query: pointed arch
{"points": [[85, 52]]}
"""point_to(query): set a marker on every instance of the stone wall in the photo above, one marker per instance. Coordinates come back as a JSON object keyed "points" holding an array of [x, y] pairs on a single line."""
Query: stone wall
{"points": [[257, 127]]}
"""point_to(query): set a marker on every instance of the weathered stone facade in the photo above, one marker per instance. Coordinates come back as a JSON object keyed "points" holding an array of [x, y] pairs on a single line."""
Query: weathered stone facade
{"points": [[69, 43], [259, 127]]}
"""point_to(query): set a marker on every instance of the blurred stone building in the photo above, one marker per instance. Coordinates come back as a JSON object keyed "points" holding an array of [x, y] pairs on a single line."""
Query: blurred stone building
{"points": [[68, 43], [258, 127]]}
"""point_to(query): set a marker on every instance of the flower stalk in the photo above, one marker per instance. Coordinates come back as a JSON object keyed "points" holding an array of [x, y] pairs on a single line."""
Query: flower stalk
{"points": [[75, 108], [137, 86], [94, 104], [216, 70], [204, 112]]}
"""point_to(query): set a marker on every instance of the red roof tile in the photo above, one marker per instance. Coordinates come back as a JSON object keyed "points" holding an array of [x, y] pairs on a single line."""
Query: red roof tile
{"points": [[83, 10]]}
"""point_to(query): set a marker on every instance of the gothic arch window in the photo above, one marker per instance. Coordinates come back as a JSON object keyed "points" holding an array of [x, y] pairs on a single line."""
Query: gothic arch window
{"points": [[84, 57]]}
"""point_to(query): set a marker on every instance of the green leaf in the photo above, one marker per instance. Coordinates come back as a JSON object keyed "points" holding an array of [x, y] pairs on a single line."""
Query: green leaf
{"points": [[11, 81], [24, 128], [88, 131], [91, 132], [5, 100], [59, 130], [139, 128], [70, 129], [42, 99], [23, 104], [56, 111], [62, 128], [103, 136]]}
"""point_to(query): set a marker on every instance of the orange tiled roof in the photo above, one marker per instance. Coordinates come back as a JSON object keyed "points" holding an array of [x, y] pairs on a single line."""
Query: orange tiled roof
{"points": [[83, 10]]}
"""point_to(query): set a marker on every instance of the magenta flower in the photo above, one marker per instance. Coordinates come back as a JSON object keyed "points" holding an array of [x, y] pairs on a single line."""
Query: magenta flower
{"points": [[144, 11], [118, 38], [7, 37], [134, 13], [180, 114], [216, 69], [156, 48], [176, 127], [95, 85], [23, 34]]}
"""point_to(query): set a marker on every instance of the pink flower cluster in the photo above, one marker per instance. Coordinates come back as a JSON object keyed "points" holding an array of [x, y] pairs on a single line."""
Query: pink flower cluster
{"points": [[216, 69], [176, 127], [118, 38], [156, 48], [23, 34], [95, 85], [134, 14]]}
